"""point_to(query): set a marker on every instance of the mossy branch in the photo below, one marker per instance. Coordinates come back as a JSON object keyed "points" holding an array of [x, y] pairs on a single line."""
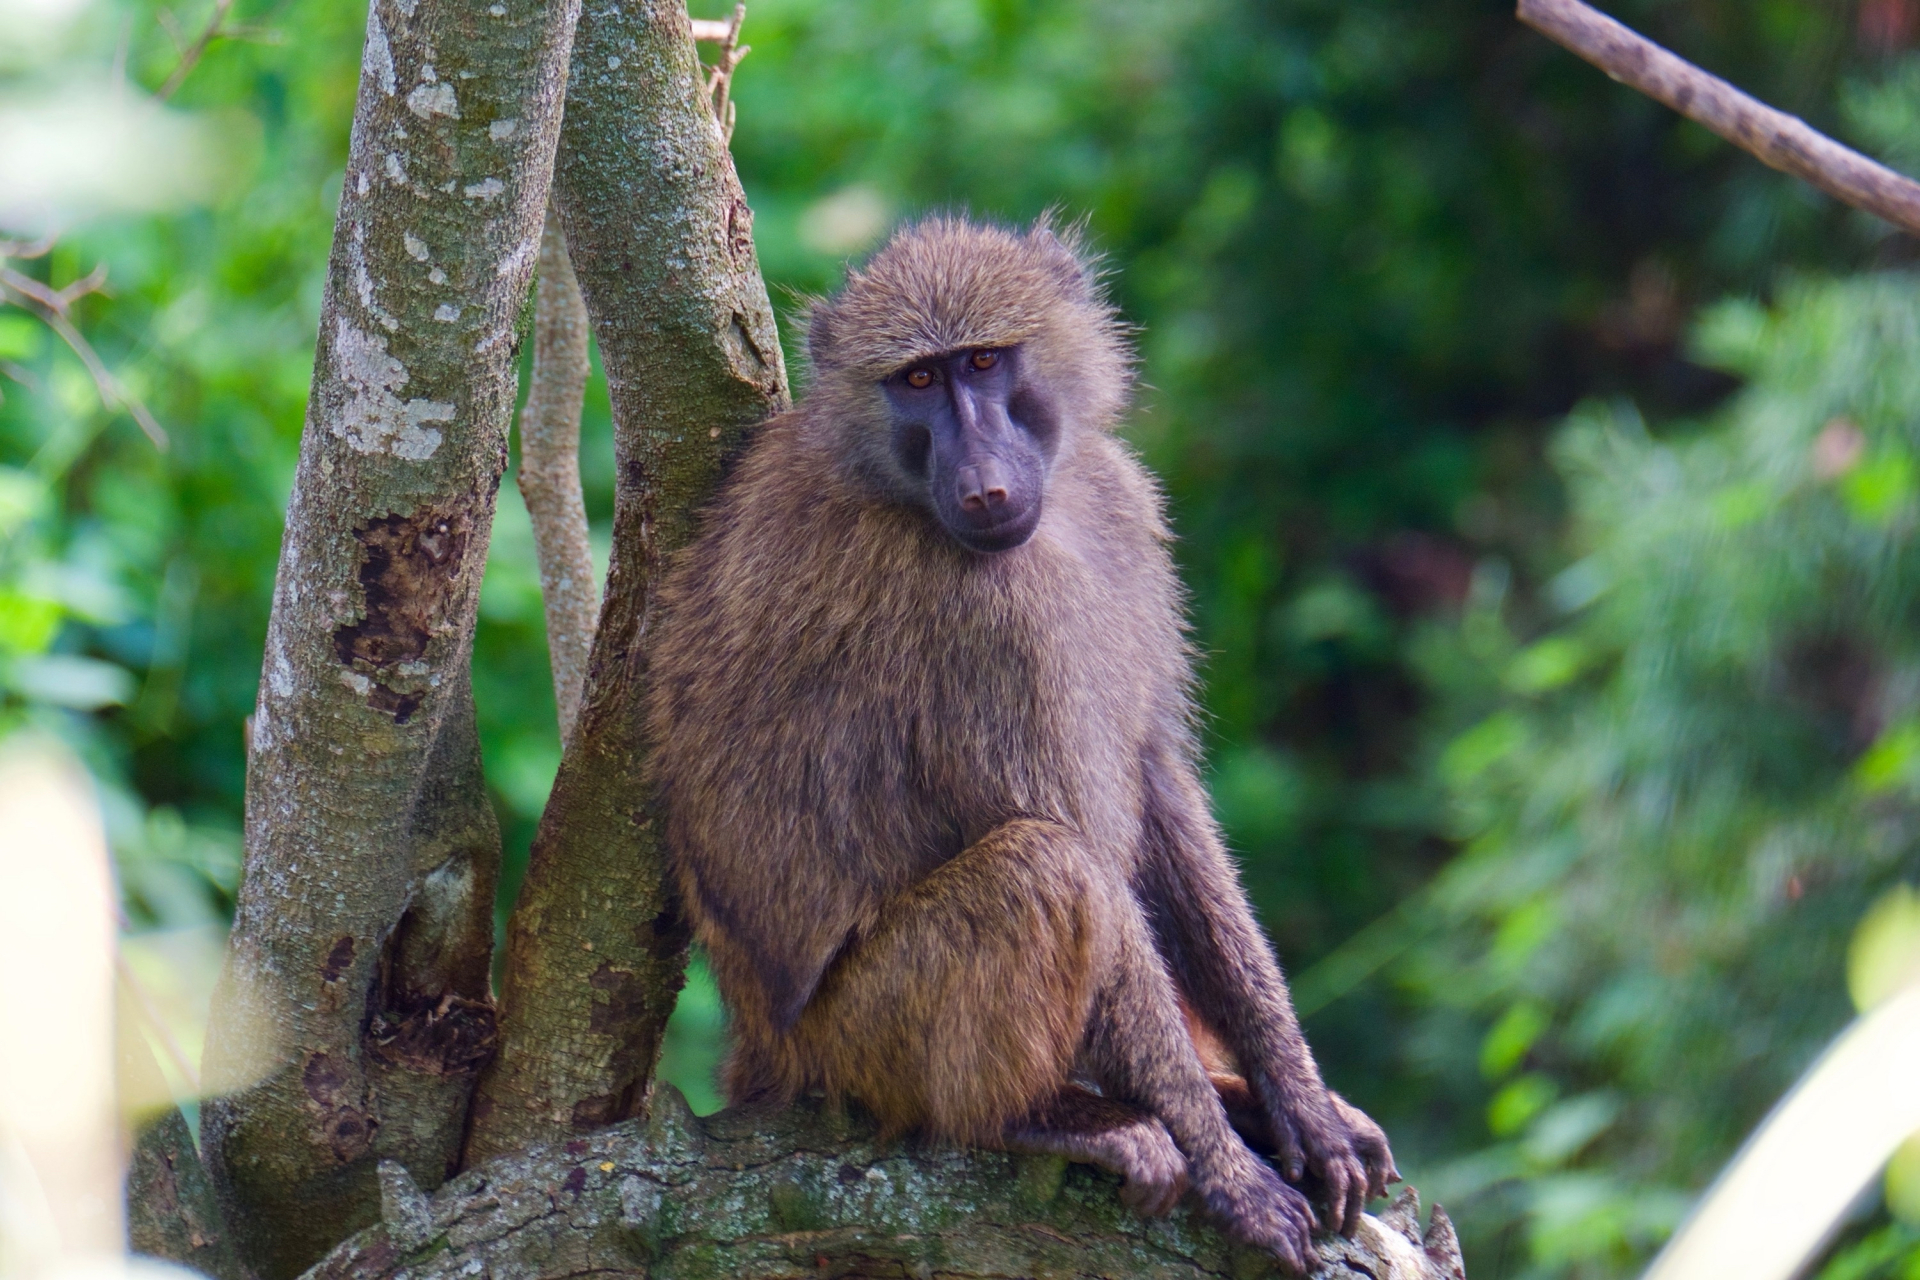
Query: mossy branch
{"points": [[805, 1194]]}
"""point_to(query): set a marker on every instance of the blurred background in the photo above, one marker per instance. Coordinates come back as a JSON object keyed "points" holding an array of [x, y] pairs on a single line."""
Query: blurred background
{"points": [[1547, 477]]}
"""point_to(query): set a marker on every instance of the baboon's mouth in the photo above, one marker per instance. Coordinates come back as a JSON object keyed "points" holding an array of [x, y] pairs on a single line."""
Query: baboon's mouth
{"points": [[1002, 535]]}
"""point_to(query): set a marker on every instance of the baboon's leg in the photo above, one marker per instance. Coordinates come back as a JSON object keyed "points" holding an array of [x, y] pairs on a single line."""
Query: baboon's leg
{"points": [[963, 1008], [1083, 1126], [1139, 1050]]}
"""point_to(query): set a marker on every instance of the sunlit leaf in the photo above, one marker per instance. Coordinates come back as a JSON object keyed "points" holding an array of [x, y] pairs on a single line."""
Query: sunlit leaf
{"points": [[1884, 957]]}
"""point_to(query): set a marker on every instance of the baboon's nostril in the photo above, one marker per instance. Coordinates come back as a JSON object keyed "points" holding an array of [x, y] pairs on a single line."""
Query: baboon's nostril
{"points": [[982, 484]]}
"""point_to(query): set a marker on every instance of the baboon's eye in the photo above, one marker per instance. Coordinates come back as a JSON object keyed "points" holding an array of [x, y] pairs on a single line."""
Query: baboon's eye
{"points": [[985, 359], [919, 378]]}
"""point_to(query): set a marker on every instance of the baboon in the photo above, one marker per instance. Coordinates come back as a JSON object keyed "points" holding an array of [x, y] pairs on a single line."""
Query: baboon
{"points": [[921, 700]]}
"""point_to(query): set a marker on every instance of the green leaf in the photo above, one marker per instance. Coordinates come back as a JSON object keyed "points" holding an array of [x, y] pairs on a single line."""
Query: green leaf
{"points": [[1481, 747], [1903, 1182], [1509, 1039], [1547, 665], [28, 623], [1883, 958], [21, 337], [1879, 489], [1891, 762], [1518, 1101]]}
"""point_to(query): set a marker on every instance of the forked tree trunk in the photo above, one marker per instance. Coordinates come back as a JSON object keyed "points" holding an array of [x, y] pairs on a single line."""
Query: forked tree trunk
{"points": [[353, 1014], [662, 241]]}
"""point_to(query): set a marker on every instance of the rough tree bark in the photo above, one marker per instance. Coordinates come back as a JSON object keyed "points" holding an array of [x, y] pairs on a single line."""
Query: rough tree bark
{"points": [[354, 1011], [662, 240], [806, 1194], [550, 471]]}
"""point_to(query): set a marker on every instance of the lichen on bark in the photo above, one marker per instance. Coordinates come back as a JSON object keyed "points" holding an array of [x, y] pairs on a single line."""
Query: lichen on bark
{"points": [[661, 239], [354, 1010]]}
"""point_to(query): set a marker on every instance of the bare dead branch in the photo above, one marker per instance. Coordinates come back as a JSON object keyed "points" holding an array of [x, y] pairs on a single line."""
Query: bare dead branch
{"points": [[191, 55], [720, 78], [20, 374], [1780, 140], [27, 249], [52, 306], [171, 25], [550, 471]]}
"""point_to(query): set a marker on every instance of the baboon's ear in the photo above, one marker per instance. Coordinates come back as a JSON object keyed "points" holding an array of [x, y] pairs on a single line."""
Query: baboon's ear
{"points": [[819, 317], [1062, 249]]}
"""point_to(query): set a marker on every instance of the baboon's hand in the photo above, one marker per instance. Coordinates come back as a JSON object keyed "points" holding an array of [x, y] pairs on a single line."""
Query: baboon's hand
{"points": [[1251, 1202], [1312, 1138], [1154, 1169], [1370, 1140], [1154, 1172]]}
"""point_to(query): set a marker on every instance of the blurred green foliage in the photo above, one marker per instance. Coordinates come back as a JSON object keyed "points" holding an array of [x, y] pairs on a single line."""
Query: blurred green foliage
{"points": [[1562, 696]]}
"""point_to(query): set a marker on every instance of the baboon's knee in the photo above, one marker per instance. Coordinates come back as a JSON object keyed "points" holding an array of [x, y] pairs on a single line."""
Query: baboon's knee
{"points": [[968, 1004]]}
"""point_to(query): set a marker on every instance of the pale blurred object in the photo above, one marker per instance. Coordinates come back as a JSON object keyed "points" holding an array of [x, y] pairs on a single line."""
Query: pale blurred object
{"points": [[1884, 956], [845, 222], [61, 1155], [1792, 1184], [171, 975], [1838, 448], [96, 146], [31, 30]]}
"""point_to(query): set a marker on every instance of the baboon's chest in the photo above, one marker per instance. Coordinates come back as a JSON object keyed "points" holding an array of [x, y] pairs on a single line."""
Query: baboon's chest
{"points": [[993, 717]]}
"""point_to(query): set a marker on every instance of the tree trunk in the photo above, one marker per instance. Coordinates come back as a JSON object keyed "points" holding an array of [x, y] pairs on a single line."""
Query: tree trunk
{"points": [[805, 1194], [172, 1211], [353, 1013], [661, 238]]}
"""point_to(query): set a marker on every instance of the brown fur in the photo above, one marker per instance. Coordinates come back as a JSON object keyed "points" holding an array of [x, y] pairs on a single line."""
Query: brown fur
{"points": [[935, 814]]}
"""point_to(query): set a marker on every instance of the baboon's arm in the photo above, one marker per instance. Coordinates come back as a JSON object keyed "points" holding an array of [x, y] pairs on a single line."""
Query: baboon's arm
{"points": [[1227, 969], [1223, 961]]}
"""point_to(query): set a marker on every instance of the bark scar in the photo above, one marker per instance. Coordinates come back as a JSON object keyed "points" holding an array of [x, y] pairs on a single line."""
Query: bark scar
{"points": [[339, 1105], [409, 577], [450, 1036], [339, 960]]}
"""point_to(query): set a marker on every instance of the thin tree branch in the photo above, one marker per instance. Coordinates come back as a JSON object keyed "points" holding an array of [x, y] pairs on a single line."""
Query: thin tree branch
{"points": [[53, 306], [191, 55], [720, 78], [1780, 140], [550, 471], [550, 422]]}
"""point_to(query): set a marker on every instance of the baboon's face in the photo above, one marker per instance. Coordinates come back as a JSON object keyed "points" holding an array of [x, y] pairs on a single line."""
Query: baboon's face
{"points": [[979, 437]]}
